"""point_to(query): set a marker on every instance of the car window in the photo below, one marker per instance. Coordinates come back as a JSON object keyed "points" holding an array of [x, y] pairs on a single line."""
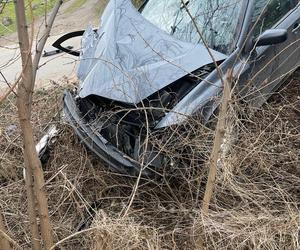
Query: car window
{"points": [[217, 20], [270, 12]]}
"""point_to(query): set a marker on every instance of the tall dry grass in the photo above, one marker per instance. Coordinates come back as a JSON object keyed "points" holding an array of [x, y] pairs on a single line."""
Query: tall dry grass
{"points": [[255, 203]]}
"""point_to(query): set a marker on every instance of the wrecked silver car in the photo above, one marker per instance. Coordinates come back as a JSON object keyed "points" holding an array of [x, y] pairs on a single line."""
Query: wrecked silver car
{"points": [[152, 68]]}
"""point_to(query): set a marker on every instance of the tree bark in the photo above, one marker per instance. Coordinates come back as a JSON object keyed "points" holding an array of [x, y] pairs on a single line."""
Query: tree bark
{"points": [[24, 116], [218, 140], [35, 237], [31, 159], [4, 243]]}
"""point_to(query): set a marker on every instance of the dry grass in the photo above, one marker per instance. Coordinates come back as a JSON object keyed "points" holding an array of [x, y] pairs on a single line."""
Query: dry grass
{"points": [[256, 200]]}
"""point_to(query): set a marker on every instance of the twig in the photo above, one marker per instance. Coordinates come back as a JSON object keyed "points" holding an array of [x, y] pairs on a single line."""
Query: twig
{"points": [[7, 83], [71, 236]]}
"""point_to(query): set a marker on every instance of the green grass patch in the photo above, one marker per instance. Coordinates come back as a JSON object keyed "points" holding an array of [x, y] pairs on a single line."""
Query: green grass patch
{"points": [[75, 5], [100, 6], [39, 8]]}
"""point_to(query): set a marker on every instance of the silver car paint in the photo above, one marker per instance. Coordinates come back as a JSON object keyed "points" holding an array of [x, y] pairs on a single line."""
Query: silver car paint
{"points": [[130, 58]]}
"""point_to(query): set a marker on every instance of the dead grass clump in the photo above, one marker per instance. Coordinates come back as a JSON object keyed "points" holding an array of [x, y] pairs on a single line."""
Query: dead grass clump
{"points": [[123, 233], [255, 203], [10, 150], [246, 230], [46, 106]]}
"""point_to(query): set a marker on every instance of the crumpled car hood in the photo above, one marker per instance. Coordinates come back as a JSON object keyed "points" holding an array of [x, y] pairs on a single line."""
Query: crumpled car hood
{"points": [[129, 58]]}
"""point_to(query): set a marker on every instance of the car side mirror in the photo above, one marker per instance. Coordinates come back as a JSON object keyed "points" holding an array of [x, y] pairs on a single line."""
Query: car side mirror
{"points": [[271, 37]]}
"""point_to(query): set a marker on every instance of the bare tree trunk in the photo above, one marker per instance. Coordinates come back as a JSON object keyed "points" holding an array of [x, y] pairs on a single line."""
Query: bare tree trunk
{"points": [[4, 243], [215, 153], [24, 116], [35, 237], [31, 159], [218, 140], [35, 183]]}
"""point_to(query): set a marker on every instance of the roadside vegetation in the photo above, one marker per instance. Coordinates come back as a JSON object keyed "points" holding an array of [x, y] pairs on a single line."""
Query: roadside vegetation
{"points": [[255, 201], [38, 8], [255, 204]]}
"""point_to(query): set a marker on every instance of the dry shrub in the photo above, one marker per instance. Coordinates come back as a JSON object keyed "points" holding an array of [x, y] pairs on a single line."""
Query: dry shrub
{"points": [[122, 233], [10, 149], [46, 106], [256, 199]]}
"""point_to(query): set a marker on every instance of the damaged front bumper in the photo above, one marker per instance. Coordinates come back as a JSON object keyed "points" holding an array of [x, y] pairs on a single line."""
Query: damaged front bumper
{"points": [[91, 137]]}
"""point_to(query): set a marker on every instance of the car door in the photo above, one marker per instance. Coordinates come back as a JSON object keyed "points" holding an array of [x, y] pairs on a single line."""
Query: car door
{"points": [[269, 65], [288, 53]]}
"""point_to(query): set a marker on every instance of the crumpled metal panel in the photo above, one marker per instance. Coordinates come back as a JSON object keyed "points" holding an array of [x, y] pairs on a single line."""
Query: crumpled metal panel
{"points": [[130, 58]]}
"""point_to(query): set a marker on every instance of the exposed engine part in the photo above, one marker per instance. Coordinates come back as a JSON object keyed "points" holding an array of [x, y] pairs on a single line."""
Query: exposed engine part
{"points": [[126, 126]]}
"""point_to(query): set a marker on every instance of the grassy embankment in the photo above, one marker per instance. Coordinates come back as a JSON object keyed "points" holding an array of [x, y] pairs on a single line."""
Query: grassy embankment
{"points": [[38, 8], [75, 5]]}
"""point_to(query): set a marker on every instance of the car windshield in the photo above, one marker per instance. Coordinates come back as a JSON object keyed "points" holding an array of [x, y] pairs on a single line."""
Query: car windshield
{"points": [[217, 20]]}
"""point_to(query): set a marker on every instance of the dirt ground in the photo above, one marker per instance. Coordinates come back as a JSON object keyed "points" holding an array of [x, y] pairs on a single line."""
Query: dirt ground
{"points": [[68, 21], [57, 67]]}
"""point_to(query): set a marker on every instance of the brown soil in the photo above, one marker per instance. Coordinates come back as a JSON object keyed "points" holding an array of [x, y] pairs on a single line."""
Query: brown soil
{"points": [[68, 21]]}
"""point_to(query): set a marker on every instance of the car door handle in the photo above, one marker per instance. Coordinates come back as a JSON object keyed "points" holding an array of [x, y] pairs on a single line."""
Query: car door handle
{"points": [[296, 28]]}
